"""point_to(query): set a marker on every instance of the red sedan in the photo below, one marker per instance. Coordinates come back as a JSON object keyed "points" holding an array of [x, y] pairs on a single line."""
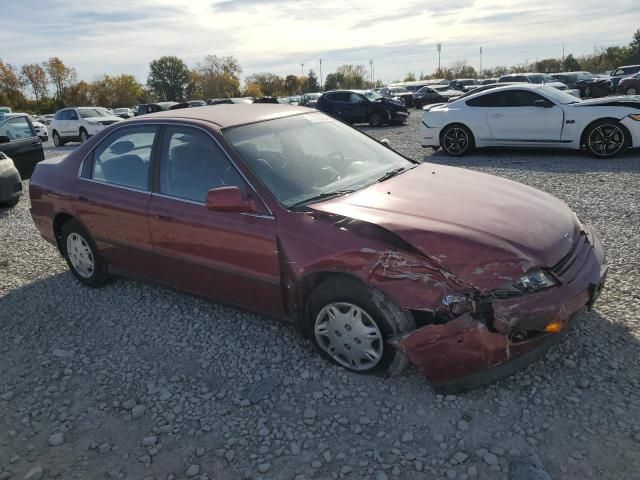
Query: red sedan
{"points": [[286, 211]]}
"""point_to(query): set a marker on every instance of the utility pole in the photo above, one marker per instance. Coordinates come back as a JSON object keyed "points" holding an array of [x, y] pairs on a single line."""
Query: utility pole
{"points": [[563, 56], [302, 68], [320, 74], [480, 72], [371, 71], [439, 48]]}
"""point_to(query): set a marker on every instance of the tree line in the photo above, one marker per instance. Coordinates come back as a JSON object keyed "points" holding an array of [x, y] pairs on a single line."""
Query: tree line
{"points": [[47, 86]]}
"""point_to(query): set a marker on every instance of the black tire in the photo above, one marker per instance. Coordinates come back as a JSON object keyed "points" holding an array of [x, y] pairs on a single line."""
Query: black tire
{"points": [[376, 119], [57, 139], [98, 275], [10, 203], [389, 319], [84, 136], [606, 138], [456, 140]]}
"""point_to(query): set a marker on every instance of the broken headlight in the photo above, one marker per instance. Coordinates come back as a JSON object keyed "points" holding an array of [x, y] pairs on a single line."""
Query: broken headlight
{"points": [[534, 281]]}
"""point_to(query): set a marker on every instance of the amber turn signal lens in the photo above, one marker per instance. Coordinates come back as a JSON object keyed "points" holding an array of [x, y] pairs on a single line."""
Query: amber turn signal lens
{"points": [[635, 116], [553, 327]]}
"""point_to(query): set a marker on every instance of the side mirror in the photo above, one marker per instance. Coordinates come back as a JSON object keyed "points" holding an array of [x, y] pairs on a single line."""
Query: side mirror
{"points": [[542, 103], [228, 199], [385, 142], [4, 139]]}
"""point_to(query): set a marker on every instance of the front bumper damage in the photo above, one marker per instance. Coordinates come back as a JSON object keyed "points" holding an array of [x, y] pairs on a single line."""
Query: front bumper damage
{"points": [[475, 349]]}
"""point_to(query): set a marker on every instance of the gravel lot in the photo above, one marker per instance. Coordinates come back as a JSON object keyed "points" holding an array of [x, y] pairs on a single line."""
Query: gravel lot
{"points": [[137, 381]]}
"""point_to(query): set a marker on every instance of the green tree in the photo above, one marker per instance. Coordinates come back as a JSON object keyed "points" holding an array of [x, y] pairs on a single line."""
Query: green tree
{"points": [[635, 47], [548, 65], [334, 81], [571, 64], [216, 77], [127, 91], [312, 84], [61, 76], [168, 78], [36, 78]]}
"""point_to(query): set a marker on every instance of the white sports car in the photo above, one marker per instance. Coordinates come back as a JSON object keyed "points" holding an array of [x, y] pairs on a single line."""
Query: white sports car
{"points": [[521, 115]]}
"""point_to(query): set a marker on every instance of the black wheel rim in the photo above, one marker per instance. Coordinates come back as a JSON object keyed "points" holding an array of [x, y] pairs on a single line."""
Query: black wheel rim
{"points": [[455, 140], [606, 140]]}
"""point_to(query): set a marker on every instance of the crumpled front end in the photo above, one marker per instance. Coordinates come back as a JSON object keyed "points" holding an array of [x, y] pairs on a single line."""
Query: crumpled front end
{"points": [[493, 335]]}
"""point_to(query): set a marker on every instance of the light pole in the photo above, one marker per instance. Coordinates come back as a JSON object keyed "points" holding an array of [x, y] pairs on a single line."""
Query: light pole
{"points": [[439, 48], [480, 72], [371, 71], [320, 74], [302, 69]]}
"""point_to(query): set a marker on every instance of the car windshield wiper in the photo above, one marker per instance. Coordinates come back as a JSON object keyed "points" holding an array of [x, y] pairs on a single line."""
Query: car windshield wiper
{"points": [[321, 196], [393, 173]]}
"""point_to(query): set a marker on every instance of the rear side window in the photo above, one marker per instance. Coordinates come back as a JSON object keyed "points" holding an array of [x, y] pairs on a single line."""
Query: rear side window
{"points": [[123, 157], [17, 128], [489, 100], [192, 163]]}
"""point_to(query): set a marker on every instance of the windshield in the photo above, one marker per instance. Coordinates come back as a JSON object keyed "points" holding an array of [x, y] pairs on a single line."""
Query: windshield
{"points": [[93, 112], [558, 96], [371, 95], [542, 78], [305, 156]]}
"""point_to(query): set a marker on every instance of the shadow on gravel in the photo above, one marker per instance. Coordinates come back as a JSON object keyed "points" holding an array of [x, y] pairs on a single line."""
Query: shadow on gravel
{"points": [[560, 161]]}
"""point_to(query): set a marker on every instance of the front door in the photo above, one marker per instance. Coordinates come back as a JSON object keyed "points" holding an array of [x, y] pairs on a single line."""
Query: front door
{"points": [[112, 198], [24, 146], [514, 119], [229, 256]]}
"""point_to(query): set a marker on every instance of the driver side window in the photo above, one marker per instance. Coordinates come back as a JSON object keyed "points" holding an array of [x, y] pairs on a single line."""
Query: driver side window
{"points": [[191, 164], [355, 98]]}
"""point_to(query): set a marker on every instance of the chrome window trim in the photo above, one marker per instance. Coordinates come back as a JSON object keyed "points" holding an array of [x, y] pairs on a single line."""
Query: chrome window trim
{"points": [[109, 184], [179, 124]]}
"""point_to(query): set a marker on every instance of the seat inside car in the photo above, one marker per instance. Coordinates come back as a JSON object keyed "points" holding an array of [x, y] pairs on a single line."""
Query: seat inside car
{"points": [[192, 171]]}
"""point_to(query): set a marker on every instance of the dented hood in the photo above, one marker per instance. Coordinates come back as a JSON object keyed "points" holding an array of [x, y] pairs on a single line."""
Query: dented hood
{"points": [[484, 229]]}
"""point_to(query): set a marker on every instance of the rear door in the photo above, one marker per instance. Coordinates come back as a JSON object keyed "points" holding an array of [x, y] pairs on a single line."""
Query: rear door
{"points": [[229, 256], [513, 118], [355, 108], [112, 198], [24, 146]]}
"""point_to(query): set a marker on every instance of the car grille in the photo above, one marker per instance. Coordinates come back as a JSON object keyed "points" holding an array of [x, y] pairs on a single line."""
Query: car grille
{"points": [[17, 187], [108, 122], [569, 267]]}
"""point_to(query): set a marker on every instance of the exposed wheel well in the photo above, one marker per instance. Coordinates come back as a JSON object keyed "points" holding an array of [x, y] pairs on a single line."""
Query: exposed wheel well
{"points": [[583, 135], [58, 223]]}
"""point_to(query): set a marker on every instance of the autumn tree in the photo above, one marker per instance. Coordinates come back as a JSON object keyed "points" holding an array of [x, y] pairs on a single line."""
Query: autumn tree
{"points": [[168, 78], [252, 90], [35, 77], [269, 83], [80, 94], [10, 85], [353, 76], [548, 65], [216, 77], [410, 77], [60, 75], [292, 84]]}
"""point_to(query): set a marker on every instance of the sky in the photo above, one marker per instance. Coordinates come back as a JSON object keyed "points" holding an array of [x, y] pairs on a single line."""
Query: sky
{"points": [[99, 37]]}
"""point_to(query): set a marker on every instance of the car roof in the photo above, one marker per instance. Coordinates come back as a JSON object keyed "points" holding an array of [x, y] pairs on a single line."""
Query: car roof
{"points": [[230, 115], [506, 86]]}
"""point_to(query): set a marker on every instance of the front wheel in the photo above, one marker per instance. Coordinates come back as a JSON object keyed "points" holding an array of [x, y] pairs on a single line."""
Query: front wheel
{"points": [[81, 255], [348, 327], [84, 136], [375, 120], [456, 140], [606, 139], [631, 91]]}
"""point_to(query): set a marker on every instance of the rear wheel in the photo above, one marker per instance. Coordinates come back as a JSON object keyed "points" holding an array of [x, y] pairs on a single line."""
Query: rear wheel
{"points": [[456, 140], [84, 136], [348, 327], [57, 139], [606, 139], [631, 91], [81, 255]]}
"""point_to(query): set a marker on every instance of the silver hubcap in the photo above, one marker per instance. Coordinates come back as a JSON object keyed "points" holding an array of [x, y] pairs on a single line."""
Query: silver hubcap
{"points": [[455, 140], [83, 136], [349, 335], [80, 255], [631, 91], [606, 140], [56, 139]]}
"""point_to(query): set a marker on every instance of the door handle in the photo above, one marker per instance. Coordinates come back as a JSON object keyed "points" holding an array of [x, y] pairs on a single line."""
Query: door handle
{"points": [[496, 115], [163, 216]]}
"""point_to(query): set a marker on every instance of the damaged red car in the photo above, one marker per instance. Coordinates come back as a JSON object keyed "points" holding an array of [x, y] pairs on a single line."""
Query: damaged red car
{"points": [[286, 211]]}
